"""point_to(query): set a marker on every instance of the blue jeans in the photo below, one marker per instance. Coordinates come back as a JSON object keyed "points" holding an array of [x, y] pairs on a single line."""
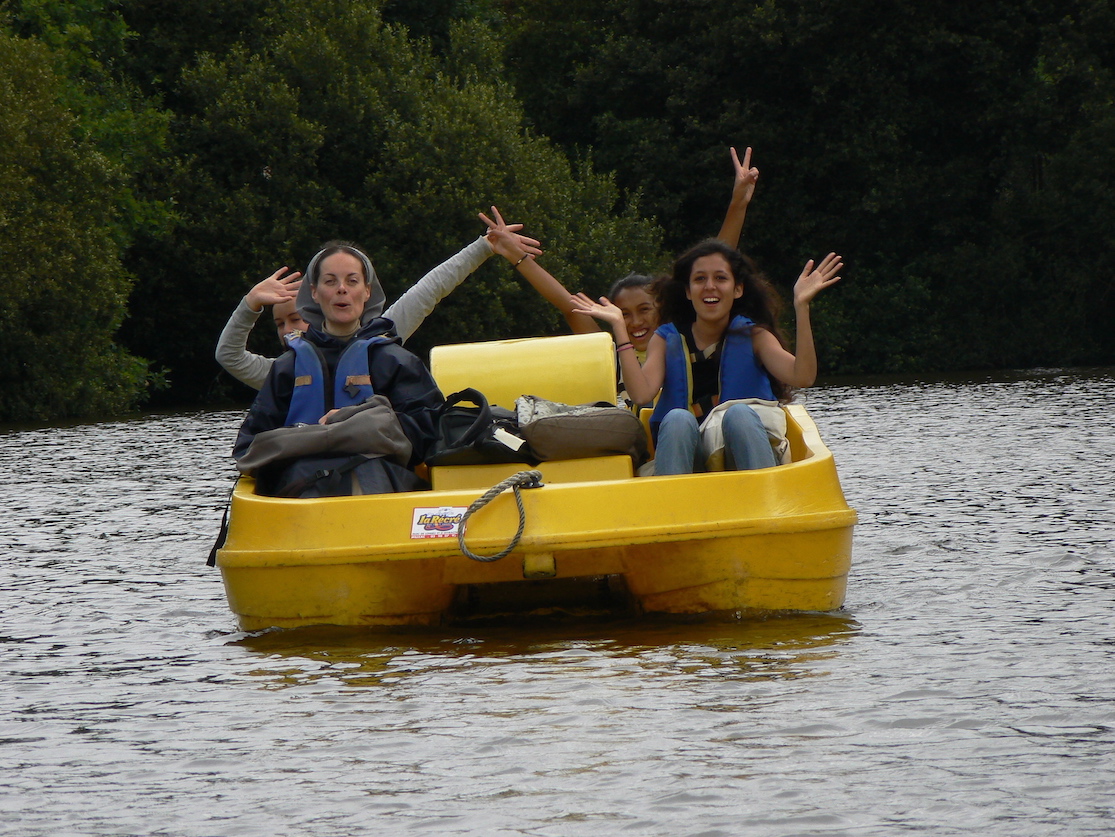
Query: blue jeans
{"points": [[680, 448]]}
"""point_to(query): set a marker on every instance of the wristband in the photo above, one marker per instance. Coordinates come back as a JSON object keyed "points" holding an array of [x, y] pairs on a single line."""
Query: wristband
{"points": [[624, 347], [524, 257]]}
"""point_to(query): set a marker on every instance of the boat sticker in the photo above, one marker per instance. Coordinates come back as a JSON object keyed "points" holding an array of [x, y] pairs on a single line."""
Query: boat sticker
{"points": [[436, 522]]}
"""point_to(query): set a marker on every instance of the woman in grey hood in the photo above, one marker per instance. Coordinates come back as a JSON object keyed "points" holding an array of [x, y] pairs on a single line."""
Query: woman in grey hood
{"points": [[348, 354], [279, 290], [342, 261]]}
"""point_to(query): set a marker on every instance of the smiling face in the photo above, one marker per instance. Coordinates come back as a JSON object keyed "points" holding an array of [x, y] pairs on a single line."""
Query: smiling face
{"points": [[341, 290], [287, 319], [712, 288], [640, 315]]}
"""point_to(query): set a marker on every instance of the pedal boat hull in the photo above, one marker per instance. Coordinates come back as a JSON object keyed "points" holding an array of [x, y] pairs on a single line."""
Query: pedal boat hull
{"points": [[725, 543]]}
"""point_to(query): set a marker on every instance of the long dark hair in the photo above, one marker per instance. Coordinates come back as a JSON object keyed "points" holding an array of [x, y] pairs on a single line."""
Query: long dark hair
{"points": [[760, 302]]}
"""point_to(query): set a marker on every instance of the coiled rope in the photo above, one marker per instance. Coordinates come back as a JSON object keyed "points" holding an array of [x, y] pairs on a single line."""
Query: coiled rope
{"points": [[523, 479]]}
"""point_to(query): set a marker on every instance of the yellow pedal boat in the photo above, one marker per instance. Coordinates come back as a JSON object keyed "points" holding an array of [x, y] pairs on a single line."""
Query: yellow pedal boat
{"points": [[595, 537]]}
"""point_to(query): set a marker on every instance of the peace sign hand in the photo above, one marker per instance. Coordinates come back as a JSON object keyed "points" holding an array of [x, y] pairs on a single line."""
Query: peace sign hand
{"points": [[746, 177]]}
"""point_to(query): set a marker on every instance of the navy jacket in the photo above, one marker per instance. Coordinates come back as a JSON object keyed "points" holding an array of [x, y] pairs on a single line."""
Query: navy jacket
{"points": [[395, 373]]}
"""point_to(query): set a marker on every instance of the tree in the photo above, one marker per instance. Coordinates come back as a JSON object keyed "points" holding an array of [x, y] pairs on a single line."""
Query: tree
{"points": [[906, 137], [63, 286], [337, 124]]}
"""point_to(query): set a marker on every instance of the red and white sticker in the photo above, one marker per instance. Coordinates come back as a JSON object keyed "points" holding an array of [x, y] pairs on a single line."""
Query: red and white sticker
{"points": [[436, 522]]}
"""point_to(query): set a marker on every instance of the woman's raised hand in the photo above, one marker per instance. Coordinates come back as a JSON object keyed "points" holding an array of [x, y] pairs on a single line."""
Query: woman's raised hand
{"points": [[275, 289], [505, 239], [813, 280], [746, 177], [602, 310]]}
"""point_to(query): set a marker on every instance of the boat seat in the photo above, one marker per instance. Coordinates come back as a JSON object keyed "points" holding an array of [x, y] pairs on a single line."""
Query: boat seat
{"points": [[570, 369]]}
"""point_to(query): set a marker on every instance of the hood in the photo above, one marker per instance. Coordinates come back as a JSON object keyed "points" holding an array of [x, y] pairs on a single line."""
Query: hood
{"points": [[311, 311]]}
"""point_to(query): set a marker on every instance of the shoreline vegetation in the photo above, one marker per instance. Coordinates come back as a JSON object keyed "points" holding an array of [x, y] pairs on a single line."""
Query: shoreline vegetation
{"points": [[156, 160]]}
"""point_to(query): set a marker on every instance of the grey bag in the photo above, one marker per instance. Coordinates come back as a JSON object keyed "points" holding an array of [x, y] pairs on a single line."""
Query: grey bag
{"points": [[562, 431], [371, 428]]}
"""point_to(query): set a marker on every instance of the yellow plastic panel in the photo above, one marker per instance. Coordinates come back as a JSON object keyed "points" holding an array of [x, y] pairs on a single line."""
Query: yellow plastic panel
{"points": [[771, 539], [571, 369], [483, 477]]}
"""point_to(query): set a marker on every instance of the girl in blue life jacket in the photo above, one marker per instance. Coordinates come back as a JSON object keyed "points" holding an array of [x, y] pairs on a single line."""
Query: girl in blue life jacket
{"points": [[348, 353], [633, 295], [719, 342]]}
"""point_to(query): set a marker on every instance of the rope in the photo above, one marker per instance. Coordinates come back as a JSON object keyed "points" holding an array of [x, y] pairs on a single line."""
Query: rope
{"points": [[523, 479]]}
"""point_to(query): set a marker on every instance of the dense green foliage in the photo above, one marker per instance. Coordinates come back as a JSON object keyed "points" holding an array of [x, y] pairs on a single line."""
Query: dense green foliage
{"points": [[63, 285], [161, 157], [955, 155], [320, 120]]}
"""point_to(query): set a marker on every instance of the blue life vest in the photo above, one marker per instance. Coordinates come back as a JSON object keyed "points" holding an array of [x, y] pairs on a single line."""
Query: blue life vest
{"points": [[352, 381], [741, 374]]}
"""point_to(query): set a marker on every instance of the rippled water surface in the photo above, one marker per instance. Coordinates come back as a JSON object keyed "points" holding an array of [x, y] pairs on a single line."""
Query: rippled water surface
{"points": [[967, 687]]}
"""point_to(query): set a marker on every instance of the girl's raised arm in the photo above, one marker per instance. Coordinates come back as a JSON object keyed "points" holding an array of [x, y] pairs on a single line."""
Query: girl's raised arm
{"points": [[743, 189], [798, 370], [520, 251]]}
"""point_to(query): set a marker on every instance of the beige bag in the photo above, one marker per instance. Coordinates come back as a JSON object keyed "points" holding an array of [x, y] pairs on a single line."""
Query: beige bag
{"points": [[565, 431], [774, 420]]}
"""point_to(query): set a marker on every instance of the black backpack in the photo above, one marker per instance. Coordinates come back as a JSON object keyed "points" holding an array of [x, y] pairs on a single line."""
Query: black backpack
{"points": [[478, 435]]}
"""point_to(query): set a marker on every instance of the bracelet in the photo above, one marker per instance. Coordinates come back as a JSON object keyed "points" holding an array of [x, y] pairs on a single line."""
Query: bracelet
{"points": [[624, 347], [525, 256]]}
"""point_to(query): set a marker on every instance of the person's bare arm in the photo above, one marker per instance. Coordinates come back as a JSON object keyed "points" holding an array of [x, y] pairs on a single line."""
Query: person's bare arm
{"points": [[512, 248], [643, 382], [799, 369], [743, 189]]}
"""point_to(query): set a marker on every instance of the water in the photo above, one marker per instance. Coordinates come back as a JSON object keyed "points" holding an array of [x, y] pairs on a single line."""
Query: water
{"points": [[968, 685]]}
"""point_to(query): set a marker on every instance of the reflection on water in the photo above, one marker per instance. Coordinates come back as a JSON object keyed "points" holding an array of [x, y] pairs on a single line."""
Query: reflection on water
{"points": [[786, 646], [967, 686]]}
